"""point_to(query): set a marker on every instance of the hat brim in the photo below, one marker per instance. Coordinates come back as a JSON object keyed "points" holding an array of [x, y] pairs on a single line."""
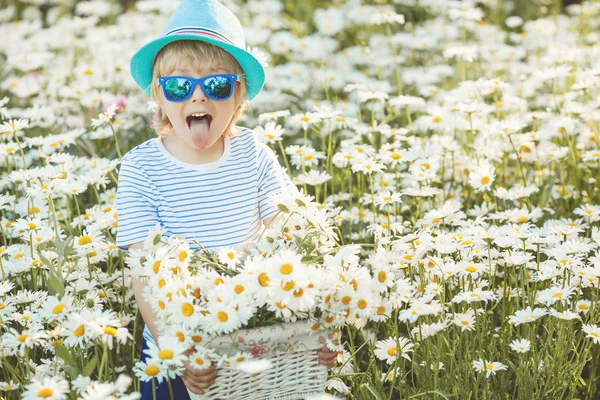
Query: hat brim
{"points": [[142, 61]]}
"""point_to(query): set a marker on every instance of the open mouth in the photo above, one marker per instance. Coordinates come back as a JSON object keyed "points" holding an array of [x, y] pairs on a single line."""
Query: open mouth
{"points": [[198, 117]]}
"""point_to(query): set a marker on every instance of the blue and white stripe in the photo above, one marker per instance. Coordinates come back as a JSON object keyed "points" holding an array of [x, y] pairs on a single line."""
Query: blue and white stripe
{"points": [[218, 204]]}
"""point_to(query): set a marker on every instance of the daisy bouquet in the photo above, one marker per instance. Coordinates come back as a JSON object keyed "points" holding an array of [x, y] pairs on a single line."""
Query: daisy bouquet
{"points": [[296, 274]]}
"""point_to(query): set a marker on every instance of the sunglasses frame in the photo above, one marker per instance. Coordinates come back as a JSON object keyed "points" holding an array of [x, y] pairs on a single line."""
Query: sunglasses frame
{"points": [[231, 77]]}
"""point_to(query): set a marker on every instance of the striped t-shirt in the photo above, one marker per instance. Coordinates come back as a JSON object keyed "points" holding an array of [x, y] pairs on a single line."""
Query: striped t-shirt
{"points": [[218, 204]]}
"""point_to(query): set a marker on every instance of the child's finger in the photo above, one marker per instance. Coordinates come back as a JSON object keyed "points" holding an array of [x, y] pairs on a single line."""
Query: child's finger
{"points": [[206, 377], [328, 355], [192, 386]]}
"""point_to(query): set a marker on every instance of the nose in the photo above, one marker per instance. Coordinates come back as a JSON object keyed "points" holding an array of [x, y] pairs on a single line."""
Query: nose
{"points": [[198, 94]]}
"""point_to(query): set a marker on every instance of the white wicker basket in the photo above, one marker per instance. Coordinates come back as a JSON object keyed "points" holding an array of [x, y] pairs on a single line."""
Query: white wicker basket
{"points": [[295, 372]]}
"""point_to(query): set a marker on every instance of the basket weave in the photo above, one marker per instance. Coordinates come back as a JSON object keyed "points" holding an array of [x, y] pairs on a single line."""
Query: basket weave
{"points": [[295, 372]]}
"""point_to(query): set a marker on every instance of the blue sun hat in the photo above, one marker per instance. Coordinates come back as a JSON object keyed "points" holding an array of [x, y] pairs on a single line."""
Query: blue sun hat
{"points": [[207, 21]]}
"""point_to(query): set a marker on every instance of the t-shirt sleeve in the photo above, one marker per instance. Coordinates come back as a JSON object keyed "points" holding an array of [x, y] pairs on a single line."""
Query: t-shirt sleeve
{"points": [[271, 179], [137, 210]]}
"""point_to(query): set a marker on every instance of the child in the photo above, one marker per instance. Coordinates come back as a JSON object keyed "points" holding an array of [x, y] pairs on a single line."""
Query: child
{"points": [[203, 178]]}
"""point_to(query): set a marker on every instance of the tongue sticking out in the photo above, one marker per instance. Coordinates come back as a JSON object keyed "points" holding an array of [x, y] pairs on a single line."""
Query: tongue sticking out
{"points": [[199, 128]]}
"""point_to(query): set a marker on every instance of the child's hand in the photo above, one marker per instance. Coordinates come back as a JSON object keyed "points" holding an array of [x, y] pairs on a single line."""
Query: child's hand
{"points": [[196, 380], [327, 357]]}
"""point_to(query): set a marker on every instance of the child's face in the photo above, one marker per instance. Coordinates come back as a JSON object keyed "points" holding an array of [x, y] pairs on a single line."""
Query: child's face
{"points": [[198, 137]]}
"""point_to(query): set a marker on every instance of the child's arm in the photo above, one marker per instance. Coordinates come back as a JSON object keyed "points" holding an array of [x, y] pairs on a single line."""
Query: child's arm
{"points": [[196, 380]]}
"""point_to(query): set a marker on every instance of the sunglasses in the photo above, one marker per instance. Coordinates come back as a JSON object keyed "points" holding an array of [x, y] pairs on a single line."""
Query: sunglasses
{"points": [[180, 88]]}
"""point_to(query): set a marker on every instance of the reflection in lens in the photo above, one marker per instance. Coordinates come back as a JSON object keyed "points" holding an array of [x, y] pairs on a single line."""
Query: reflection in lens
{"points": [[177, 88], [218, 86]]}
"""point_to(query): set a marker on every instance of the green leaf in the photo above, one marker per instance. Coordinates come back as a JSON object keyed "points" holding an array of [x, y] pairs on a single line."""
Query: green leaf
{"points": [[88, 369], [63, 352], [70, 371]]}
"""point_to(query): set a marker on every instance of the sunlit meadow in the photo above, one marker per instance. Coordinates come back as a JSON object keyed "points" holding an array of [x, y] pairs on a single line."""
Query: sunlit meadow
{"points": [[447, 155]]}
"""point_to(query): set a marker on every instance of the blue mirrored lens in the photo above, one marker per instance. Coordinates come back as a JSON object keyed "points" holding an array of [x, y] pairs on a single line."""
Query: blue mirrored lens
{"points": [[177, 88], [218, 87]]}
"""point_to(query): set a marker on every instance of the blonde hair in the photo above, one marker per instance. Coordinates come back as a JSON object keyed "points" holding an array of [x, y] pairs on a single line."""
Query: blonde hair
{"points": [[194, 52]]}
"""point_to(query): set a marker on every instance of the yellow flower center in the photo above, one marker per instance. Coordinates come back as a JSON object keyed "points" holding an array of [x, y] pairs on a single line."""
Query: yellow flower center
{"points": [[165, 354], [58, 309], [263, 279], [79, 331], [109, 330], [182, 255], [286, 269], [392, 351], [222, 316], [155, 267], [45, 392], [187, 309], [84, 240], [152, 370]]}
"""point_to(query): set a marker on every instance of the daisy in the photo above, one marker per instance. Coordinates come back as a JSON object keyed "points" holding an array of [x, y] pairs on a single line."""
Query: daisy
{"points": [[566, 315], [12, 126], [304, 121], [313, 177], [184, 312], [553, 294], [75, 331], [55, 308], [466, 320], [482, 176], [334, 383], [170, 351], [526, 315], [489, 367], [273, 115], [51, 388], [520, 346], [220, 319], [583, 306], [368, 166], [20, 341], [364, 304], [228, 256], [593, 332], [387, 198], [109, 333], [590, 212], [387, 17], [9, 386], [149, 369], [472, 269], [270, 133], [201, 358], [388, 349], [105, 117]]}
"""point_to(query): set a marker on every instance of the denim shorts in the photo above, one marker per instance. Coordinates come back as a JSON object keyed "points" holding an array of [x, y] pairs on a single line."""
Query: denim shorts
{"points": [[162, 390]]}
